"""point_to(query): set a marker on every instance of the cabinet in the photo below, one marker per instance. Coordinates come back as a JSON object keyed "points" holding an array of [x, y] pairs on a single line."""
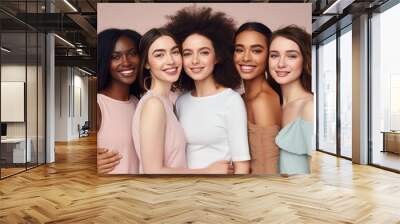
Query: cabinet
{"points": [[391, 141]]}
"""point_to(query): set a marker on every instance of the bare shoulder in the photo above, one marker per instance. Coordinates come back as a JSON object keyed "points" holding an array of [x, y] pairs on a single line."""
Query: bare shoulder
{"points": [[153, 106], [266, 109], [307, 112], [266, 98]]}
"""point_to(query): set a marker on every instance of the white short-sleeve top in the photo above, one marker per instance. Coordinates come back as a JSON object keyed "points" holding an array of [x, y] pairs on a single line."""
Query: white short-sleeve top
{"points": [[215, 128]]}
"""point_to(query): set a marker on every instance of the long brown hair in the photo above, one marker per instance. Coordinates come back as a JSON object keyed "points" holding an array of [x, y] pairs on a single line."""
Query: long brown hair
{"points": [[147, 40], [303, 40]]}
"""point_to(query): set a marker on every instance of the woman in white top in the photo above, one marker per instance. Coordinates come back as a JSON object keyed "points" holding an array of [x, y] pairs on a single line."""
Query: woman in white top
{"points": [[212, 115], [158, 137]]}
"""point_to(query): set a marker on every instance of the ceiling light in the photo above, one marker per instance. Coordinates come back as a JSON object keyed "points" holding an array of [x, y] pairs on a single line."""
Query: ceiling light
{"points": [[64, 40], [84, 71], [70, 5], [338, 6], [5, 49]]}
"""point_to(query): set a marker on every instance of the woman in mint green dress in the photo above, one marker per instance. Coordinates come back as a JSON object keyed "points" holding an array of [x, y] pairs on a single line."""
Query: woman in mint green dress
{"points": [[290, 67]]}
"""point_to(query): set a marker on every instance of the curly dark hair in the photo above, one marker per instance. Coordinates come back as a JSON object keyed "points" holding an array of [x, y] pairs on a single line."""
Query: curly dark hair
{"points": [[303, 40], [219, 29], [106, 41]]}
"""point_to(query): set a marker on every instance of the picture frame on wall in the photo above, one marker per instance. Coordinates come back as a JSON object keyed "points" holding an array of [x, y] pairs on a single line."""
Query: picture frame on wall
{"points": [[175, 82]]}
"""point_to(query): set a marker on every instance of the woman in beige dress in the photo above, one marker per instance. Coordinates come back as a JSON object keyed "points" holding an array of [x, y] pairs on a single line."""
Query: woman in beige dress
{"points": [[262, 101]]}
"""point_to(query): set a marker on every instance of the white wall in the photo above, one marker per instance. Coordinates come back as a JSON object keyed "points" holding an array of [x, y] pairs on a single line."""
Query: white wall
{"points": [[81, 82], [17, 72], [70, 83], [61, 103], [33, 126], [14, 72]]}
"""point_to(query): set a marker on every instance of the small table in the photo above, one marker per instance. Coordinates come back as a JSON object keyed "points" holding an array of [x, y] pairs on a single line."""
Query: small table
{"points": [[13, 150], [391, 141]]}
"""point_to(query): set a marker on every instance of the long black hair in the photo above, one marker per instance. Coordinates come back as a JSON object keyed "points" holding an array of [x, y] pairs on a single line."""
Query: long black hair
{"points": [[106, 41], [267, 33]]}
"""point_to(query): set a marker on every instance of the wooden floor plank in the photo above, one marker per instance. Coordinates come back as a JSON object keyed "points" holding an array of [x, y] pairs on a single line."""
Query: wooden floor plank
{"points": [[70, 191]]}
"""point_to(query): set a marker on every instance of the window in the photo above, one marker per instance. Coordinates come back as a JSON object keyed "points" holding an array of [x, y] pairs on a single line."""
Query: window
{"points": [[346, 92], [327, 95], [22, 67], [385, 89]]}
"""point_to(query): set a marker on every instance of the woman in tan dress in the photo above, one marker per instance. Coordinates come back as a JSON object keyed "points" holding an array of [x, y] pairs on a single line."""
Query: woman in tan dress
{"points": [[262, 101]]}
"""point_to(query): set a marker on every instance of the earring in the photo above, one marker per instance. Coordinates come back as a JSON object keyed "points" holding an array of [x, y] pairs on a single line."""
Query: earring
{"points": [[145, 81]]}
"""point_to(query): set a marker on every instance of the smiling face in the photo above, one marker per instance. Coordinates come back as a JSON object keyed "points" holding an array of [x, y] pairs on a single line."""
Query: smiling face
{"points": [[124, 61], [250, 55], [164, 60], [285, 61], [199, 57]]}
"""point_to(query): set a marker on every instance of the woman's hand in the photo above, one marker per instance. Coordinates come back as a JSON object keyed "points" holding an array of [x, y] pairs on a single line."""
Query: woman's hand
{"points": [[107, 160], [219, 167], [241, 167]]}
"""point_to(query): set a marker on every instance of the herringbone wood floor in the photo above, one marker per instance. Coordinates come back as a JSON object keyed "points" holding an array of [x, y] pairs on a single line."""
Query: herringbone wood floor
{"points": [[69, 191]]}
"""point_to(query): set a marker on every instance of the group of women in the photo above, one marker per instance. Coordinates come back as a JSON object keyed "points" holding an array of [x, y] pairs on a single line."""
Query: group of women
{"points": [[190, 118]]}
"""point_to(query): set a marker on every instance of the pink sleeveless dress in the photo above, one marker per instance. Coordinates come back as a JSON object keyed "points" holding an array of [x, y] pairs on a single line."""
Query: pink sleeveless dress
{"points": [[115, 132], [175, 143]]}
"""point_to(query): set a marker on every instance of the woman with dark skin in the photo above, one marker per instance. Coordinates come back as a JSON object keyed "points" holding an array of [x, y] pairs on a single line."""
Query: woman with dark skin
{"points": [[262, 102], [118, 93]]}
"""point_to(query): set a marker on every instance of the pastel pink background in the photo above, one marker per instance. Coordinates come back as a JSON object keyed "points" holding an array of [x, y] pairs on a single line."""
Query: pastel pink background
{"points": [[143, 16]]}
